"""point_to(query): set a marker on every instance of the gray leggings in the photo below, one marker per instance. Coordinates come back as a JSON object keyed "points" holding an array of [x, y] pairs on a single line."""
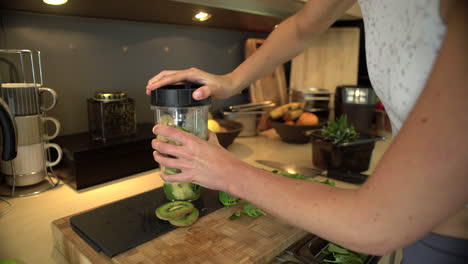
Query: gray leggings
{"points": [[436, 249]]}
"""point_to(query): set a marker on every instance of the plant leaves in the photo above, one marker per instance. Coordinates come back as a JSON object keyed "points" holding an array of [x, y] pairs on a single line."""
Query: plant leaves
{"points": [[340, 131]]}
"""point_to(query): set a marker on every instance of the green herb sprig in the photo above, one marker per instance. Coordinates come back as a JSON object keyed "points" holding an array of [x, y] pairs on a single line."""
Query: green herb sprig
{"points": [[251, 210], [340, 131]]}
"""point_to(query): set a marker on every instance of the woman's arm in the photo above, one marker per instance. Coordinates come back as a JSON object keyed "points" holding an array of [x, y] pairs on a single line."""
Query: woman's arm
{"points": [[421, 180], [290, 38], [286, 41]]}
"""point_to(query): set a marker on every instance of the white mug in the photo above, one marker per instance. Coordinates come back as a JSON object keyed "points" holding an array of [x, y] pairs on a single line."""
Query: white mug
{"points": [[22, 98], [30, 129], [31, 159]]}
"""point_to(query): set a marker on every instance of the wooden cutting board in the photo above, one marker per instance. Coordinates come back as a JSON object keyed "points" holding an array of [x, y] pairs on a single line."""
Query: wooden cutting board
{"points": [[331, 60], [270, 87], [212, 239]]}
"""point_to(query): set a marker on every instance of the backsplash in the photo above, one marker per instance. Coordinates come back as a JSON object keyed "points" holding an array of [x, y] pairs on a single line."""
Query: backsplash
{"points": [[83, 55]]}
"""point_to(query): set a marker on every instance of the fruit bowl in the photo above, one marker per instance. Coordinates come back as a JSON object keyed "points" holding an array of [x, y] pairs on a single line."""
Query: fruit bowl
{"points": [[230, 130], [292, 133]]}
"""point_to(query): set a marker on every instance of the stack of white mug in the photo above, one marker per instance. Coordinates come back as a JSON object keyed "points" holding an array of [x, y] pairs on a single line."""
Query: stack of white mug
{"points": [[31, 163]]}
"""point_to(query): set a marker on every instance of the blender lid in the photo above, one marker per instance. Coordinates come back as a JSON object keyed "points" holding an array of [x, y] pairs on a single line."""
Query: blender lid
{"points": [[177, 95]]}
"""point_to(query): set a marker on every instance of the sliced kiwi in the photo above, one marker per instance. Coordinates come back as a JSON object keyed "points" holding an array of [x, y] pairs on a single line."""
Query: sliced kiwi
{"points": [[166, 120], [174, 210], [189, 219]]}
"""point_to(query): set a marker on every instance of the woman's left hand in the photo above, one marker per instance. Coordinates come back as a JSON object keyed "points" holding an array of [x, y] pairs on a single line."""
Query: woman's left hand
{"points": [[202, 162]]}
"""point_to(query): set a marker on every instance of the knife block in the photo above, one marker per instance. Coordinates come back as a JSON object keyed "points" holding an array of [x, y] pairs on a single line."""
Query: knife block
{"points": [[86, 162]]}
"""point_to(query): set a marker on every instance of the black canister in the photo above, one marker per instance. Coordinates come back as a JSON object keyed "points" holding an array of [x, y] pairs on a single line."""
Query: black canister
{"points": [[111, 115]]}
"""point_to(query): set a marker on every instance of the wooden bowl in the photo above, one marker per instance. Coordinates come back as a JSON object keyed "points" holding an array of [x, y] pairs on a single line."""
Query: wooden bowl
{"points": [[294, 133], [233, 130]]}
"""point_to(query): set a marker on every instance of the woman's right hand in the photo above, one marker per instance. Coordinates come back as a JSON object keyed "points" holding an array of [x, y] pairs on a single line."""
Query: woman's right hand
{"points": [[216, 86]]}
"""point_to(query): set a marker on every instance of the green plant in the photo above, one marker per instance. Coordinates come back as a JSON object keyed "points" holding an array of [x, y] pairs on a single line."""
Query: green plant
{"points": [[340, 131]]}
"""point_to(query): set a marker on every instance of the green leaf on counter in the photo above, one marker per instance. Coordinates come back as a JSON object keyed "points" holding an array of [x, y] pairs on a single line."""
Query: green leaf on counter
{"points": [[252, 211], [235, 215], [227, 199]]}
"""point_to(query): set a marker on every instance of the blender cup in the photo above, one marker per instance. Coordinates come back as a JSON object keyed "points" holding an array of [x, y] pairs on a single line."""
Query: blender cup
{"points": [[174, 106]]}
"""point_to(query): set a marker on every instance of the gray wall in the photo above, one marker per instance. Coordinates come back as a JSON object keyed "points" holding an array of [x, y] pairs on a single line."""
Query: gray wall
{"points": [[82, 55]]}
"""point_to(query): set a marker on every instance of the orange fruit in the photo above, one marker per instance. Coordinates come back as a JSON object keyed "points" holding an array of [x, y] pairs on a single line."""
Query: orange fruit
{"points": [[289, 122], [308, 119]]}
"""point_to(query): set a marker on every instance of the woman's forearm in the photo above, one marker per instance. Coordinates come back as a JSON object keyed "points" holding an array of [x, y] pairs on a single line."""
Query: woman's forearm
{"points": [[298, 31], [320, 209]]}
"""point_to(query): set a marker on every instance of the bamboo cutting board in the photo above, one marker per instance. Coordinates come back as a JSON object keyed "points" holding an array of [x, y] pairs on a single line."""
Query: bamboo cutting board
{"points": [[212, 239], [271, 86], [330, 61]]}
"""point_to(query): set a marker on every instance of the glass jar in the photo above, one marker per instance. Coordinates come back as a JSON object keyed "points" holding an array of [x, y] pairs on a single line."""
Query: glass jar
{"points": [[174, 106], [111, 115]]}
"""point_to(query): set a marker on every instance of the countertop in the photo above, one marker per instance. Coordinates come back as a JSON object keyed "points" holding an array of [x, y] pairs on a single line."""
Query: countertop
{"points": [[25, 232]]}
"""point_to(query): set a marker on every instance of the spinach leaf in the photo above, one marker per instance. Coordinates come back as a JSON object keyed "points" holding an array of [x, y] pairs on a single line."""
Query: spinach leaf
{"points": [[252, 211], [227, 199], [235, 215]]}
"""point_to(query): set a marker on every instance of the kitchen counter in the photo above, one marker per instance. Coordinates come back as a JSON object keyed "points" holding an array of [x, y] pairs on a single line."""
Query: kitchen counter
{"points": [[25, 231]]}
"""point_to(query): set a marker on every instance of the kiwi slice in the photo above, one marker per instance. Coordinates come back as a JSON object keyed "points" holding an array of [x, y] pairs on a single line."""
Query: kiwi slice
{"points": [[189, 219], [174, 210]]}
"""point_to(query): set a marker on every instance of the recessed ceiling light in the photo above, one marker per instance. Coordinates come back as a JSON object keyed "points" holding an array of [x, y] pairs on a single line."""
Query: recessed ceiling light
{"points": [[55, 2], [201, 16]]}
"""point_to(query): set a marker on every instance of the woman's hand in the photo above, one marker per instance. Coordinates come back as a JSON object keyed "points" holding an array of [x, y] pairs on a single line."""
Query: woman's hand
{"points": [[202, 162], [216, 86]]}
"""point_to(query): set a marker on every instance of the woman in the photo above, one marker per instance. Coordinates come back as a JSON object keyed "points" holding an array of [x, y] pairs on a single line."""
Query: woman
{"points": [[418, 64]]}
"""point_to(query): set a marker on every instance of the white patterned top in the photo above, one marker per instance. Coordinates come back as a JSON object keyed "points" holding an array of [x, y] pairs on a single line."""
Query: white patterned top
{"points": [[403, 38]]}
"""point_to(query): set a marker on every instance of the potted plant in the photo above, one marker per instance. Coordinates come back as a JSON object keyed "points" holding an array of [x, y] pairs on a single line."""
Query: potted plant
{"points": [[338, 146]]}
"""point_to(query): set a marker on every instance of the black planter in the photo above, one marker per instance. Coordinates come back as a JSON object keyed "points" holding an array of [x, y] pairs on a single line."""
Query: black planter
{"points": [[354, 157]]}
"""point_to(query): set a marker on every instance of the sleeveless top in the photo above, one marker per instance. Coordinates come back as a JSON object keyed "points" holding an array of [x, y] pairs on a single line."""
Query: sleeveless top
{"points": [[403, 38]]}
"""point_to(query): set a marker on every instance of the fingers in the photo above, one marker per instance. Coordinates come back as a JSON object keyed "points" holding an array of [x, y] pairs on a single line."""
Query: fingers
{"points": [[170, 77], [160, 76], [168, 162], [169, 149], [180, 177], [202, 93], [156, 78], [174, 133]]}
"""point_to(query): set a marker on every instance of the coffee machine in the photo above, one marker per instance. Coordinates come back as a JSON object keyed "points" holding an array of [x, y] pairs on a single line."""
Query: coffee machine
{"points": [[357, 102], [25, 166]]}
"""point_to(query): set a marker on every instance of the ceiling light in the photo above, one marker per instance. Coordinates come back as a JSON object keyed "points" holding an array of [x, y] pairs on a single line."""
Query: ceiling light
{"points": [[201, 16], [55, 2]]}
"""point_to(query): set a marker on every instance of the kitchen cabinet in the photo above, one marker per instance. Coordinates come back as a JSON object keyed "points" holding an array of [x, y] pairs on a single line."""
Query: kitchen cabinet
{"points": [[257, 16]]}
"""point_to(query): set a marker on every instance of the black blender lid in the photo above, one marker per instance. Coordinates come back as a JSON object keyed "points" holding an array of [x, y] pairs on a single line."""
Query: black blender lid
{"points": [[177, 95]]}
